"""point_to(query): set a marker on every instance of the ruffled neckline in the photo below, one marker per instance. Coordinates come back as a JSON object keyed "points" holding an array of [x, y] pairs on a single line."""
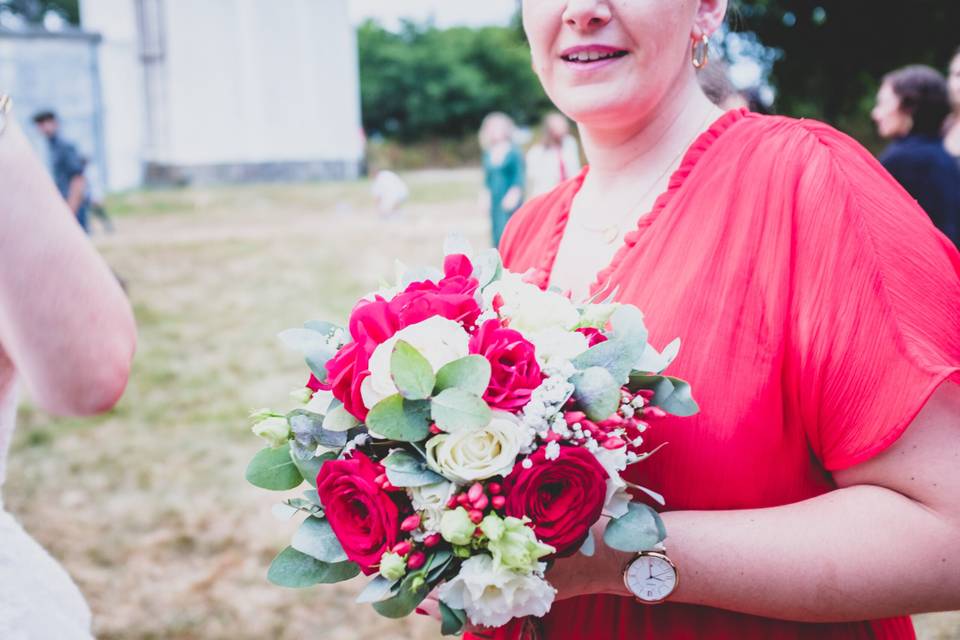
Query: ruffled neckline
{"points": [[691, 157]]}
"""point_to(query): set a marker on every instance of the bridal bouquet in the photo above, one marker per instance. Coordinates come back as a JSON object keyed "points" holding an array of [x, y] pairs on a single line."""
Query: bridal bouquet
{"points": [[462, 432]]}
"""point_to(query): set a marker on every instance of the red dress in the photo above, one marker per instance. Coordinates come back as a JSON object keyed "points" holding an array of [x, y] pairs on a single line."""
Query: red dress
{"points": [[818, 309]]}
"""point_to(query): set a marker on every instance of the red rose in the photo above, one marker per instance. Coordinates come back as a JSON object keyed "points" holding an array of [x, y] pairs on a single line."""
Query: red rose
{"points": [[563, 497], [514, 372], [373, 322], [363, 516], [594, 335]]}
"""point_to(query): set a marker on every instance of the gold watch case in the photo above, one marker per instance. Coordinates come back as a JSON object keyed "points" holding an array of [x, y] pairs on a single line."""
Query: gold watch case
{"points": [[661, 555]]}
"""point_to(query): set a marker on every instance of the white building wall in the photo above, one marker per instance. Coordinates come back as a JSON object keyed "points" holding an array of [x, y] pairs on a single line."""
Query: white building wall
{"points": [[121, 88], [260, 81]]}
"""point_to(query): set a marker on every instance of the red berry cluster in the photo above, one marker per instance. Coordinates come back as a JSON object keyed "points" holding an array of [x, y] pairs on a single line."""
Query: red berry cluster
{"points": [[478, 499], [622, 428]]}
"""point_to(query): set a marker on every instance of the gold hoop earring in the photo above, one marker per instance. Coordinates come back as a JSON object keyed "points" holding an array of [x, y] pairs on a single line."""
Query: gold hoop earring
{"points": [[701, 52]]}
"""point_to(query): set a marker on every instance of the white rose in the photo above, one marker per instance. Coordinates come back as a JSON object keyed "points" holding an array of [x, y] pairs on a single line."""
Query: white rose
{"points": [[477, 454], [492, 596], [555, 346], [530, 308], [438, 339], [614, 462], [431, 501]]}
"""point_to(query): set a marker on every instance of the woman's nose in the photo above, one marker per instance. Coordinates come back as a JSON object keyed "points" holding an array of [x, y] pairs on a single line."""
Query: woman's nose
{"points": [[587, 15]]}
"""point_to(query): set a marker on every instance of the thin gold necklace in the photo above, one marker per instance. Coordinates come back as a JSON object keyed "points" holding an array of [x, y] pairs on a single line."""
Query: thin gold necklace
{"points": [[613, 231]]}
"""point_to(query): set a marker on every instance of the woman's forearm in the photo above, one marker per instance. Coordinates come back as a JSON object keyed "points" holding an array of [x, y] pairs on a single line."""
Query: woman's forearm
{"points": [[858, 553], [64, 321]]}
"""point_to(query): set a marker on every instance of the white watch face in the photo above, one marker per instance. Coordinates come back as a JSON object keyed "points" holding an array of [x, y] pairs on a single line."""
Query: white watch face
{"points": [[651, 578]]}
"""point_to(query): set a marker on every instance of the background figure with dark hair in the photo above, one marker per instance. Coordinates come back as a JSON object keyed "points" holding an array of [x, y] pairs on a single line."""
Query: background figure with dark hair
{"points": [[911, 108], [67, 166], [952, 135]]}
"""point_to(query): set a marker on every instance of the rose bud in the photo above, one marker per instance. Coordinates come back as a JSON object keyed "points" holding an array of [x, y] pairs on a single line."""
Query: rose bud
{"points": [[462, 500], [416, 560], [410, 523], [476, 516], [402, 548], [494, 488], [452, 502], [481, 503], [475, 492], [498, 502], [432, 540]]}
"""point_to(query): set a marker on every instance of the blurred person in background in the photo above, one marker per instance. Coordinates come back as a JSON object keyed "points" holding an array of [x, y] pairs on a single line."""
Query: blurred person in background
{"points": [[67, 333], [814, 497], [952, 138], [67, 166], [503, 171], [390, 192], [555, 157], [715, 81], [911, 108]]}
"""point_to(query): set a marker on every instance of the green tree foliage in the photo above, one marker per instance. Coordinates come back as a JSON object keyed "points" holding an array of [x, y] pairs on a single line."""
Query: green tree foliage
{"points": [[834, 52], [424, 82], [34, 10]]}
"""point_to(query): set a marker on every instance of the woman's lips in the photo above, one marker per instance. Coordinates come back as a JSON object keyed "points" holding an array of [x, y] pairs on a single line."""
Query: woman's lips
{"points": [[591, 53]]}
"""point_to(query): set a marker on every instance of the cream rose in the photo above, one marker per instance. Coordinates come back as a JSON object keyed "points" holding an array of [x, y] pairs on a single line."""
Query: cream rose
{"points": [[431, 501], [530, 308], [469, 455], [439, 340]]}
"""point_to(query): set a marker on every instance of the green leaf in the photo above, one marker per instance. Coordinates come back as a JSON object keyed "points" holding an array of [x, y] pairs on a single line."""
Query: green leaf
{"points": [[274, 469], [307, 428], [316, 538], [457, 410], [487, 267], [627, 324], [640, 529], [597, 393], [411, 372], [406, 600], [470, 373], [452, 620], [310, 468], [338, 419], [653, 361], [322, 327], [399, 419], [437, 563], [314, 347], [297, 570], [377, 590], [615, 355], [673, 395], [406, 470]]}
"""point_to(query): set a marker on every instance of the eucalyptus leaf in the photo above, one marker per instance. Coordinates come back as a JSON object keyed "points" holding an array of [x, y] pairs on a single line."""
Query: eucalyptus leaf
{"points": [[458, 410], [322, 327], [627, 324], [273, 469], [452, 621], [339, 419], [597, 393], [470, 373], [405, 470], [406, 600], [399, 419], [639, 530], [311, 467], [653, 361], [616, 355], [673, 395], [297, 570], [411, 372], [437, 564], [308, 430], [283, 511], [316, 538], [589, 546], [377, 590], [487, 267], [313, 345]]}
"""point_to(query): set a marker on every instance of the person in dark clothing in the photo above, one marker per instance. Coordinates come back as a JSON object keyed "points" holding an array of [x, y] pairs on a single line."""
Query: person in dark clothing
{"points": [[67, 166], [912, 105]]}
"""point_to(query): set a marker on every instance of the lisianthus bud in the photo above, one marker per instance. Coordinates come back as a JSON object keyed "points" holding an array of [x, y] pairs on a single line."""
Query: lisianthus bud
{"points": [[515, 546], [493, 527], [456, 526], [274, 430], [302, 395], [392, 566]]}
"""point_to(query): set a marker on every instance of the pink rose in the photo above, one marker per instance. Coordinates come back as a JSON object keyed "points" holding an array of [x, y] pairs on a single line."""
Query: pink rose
{"points": [[514, 372], [363, 516]]}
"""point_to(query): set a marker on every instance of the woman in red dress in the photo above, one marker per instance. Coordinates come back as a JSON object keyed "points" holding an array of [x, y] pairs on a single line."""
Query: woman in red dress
{"points": [[817, 493]]}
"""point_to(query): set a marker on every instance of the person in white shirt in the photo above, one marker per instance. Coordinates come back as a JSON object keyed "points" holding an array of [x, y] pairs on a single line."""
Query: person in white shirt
{"points": [[555, 158], [390, 192]]}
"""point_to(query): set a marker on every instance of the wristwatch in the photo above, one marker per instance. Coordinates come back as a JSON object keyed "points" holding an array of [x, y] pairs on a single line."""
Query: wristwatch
{"points": [[651, 576], [5, 104]]}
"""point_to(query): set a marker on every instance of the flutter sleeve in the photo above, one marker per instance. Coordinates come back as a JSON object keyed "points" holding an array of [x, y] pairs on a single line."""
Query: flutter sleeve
{"points": [[875, 302]]}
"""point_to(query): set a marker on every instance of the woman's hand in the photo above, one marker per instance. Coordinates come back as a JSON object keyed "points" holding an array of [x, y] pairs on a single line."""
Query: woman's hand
{"points": [[581, 575], [511, 199]]}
